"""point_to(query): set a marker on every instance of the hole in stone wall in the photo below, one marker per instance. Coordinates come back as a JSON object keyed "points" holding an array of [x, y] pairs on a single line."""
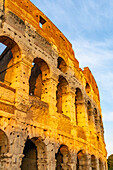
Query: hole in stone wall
{"points": [[87, 88], [42, 21]]}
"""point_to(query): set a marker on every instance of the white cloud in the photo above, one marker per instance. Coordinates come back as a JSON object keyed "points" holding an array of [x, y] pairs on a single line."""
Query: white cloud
{"points": [[92, 53]]}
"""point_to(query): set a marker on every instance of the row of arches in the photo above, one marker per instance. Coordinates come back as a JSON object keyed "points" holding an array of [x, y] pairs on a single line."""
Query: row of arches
{"points": [[35, 156], [11, 51], [40, 74]]}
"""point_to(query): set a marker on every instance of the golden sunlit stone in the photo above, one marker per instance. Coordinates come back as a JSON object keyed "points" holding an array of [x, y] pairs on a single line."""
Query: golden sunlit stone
{"points": [[50, 114]]}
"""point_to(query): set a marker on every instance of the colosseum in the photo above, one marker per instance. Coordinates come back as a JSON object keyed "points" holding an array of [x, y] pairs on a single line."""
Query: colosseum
{"points": [[50, 114]]}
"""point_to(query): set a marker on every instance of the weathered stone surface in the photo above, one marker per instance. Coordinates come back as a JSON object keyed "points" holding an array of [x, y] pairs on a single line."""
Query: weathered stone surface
{"points": [[50, 114]]}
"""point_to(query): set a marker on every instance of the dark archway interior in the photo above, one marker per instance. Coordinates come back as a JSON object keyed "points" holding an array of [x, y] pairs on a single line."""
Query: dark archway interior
{"points": [[61, 90], [62, 158], [9, 51], [5, 58], [39, 77], [3, 143], [78, 98], [93, 162], [87, 88], [35, 81], [61, 64], [29, 161], [81, 161], [89, 112]]}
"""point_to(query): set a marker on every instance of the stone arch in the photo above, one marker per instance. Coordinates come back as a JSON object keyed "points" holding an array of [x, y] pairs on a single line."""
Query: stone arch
{"points": [[101, 125], [35, 157], [4, 143], [78, 104], [29, 160], [40, 73], [87, 88], [63, 158], [89, 112], [61, 94], [100, 164], [4, 149], [8, 59], [41, 153], [93, 162], [81, 160], [95, 118], [61, 64]]}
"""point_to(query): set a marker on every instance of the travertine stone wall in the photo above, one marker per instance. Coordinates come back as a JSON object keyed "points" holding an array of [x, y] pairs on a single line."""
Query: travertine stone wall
{"points": [[50, 115]]}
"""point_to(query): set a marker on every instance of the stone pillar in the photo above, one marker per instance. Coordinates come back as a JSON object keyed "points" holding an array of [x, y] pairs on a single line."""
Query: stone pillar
{"points": [[71, 106], [87, 162], [1, 11], [42, 164], [73, 161], [49, 94], [51, 161], [68, 103], [20, 82], [6, 161], [81, 113], [94, 163], [10, 161]]}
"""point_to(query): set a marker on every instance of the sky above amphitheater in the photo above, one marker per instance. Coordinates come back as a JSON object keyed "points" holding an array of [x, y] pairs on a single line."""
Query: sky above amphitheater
{"points": [[88, 24]]}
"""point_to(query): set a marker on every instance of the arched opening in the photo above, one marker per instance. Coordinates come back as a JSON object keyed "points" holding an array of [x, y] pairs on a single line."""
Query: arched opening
{"points": [[101, 126], [96, 118], [10, 53], [87, 88], [61, 94], [100, 165], [29, 161], [62, 158], [93, 162], [78, 104], [89, 112], [39, 75], [4, 145], [81, 161], [41, 154], [34, 155], [61, 64]]}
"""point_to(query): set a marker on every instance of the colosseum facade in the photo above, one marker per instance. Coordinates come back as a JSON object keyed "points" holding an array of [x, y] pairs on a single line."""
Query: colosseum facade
{"points": [[50, 114]]}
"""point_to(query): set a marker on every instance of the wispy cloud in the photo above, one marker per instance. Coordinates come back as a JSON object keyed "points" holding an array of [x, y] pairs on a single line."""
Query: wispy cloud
{"points": [[98, 56], [93, 53]]}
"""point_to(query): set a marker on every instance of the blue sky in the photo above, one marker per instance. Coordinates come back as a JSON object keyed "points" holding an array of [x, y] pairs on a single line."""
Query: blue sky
{"points": [[88, 24]]}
